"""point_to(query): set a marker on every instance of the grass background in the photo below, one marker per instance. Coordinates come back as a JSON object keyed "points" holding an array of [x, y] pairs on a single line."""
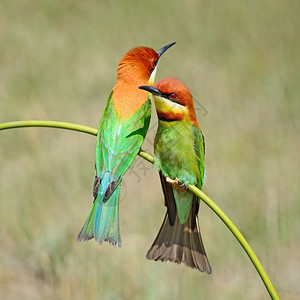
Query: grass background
{"points": [[58, 61]]}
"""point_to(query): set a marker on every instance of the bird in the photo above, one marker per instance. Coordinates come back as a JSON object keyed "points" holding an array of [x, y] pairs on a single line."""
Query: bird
{"points": [[179, 150], [121, 132]]}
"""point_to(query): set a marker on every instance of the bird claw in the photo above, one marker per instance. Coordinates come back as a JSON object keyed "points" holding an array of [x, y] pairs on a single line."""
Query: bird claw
{"points": [[172, 181], [184, 185], [177, 182]]}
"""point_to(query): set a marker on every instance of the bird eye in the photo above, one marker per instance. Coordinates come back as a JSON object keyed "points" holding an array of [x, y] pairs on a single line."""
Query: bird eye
{"points": [[154, 65], [173, 96]]}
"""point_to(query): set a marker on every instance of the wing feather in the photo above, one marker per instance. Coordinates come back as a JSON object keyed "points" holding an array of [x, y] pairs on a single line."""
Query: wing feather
{"points": [[118, 143]]}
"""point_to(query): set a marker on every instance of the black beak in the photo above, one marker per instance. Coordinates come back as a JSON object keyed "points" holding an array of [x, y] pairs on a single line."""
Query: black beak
{"points": [[152, 90], [164, 49]]}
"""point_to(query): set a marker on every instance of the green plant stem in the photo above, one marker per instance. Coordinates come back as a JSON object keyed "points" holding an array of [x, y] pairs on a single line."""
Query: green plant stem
{"points": [[52, 124], [192, 188], [239, 237]]}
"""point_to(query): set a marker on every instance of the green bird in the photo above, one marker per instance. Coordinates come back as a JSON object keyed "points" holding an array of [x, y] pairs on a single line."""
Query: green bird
{"points": [[179, 156], [122, 129]]}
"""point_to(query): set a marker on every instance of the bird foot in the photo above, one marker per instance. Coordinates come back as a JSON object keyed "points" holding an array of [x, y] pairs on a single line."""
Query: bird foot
{"points": [[177, 182], [172, 181], [184, 185]]}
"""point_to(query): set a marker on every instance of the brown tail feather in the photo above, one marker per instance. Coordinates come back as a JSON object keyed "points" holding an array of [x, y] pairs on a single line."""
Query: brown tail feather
{"points": [[180, 243]]}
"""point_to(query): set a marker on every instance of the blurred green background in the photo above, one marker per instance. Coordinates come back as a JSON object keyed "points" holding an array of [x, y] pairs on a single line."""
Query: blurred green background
{"points": [[58, 61]]}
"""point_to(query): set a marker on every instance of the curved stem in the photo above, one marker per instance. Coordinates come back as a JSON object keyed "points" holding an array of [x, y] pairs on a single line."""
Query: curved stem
{"points": [[52, 124], [146, 156], [262, 273], [64, 125]]}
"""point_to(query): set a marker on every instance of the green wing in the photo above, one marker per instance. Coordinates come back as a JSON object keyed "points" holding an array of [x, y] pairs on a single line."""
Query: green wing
{"points": [[118, 143], [199, 148]]}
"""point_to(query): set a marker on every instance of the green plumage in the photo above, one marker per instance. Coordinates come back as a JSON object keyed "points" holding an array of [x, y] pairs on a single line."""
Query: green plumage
{"points": [[179, 154], [118, 143]]}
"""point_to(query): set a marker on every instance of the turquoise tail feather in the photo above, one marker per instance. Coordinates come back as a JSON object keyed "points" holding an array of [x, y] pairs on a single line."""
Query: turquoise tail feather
{"points": [[87, 231], [106, 226], [103, 221]]}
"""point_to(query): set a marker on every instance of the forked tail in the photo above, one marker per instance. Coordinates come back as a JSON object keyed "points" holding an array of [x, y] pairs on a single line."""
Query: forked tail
{"points": [[180, 243]]}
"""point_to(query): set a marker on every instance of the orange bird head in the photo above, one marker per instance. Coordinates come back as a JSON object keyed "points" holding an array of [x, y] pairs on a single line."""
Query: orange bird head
{"points": [[137, 64], [137, 67], [173, 100], [140, 63]]}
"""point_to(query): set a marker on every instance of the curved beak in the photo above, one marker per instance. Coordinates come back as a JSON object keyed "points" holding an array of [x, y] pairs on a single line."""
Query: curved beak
{"points": [[164, 49], [154, 91]]}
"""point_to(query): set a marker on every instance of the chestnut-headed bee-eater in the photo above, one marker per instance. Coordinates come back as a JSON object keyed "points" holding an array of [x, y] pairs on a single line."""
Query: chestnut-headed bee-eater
{"points": [[122, 129], [179, 156]]}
